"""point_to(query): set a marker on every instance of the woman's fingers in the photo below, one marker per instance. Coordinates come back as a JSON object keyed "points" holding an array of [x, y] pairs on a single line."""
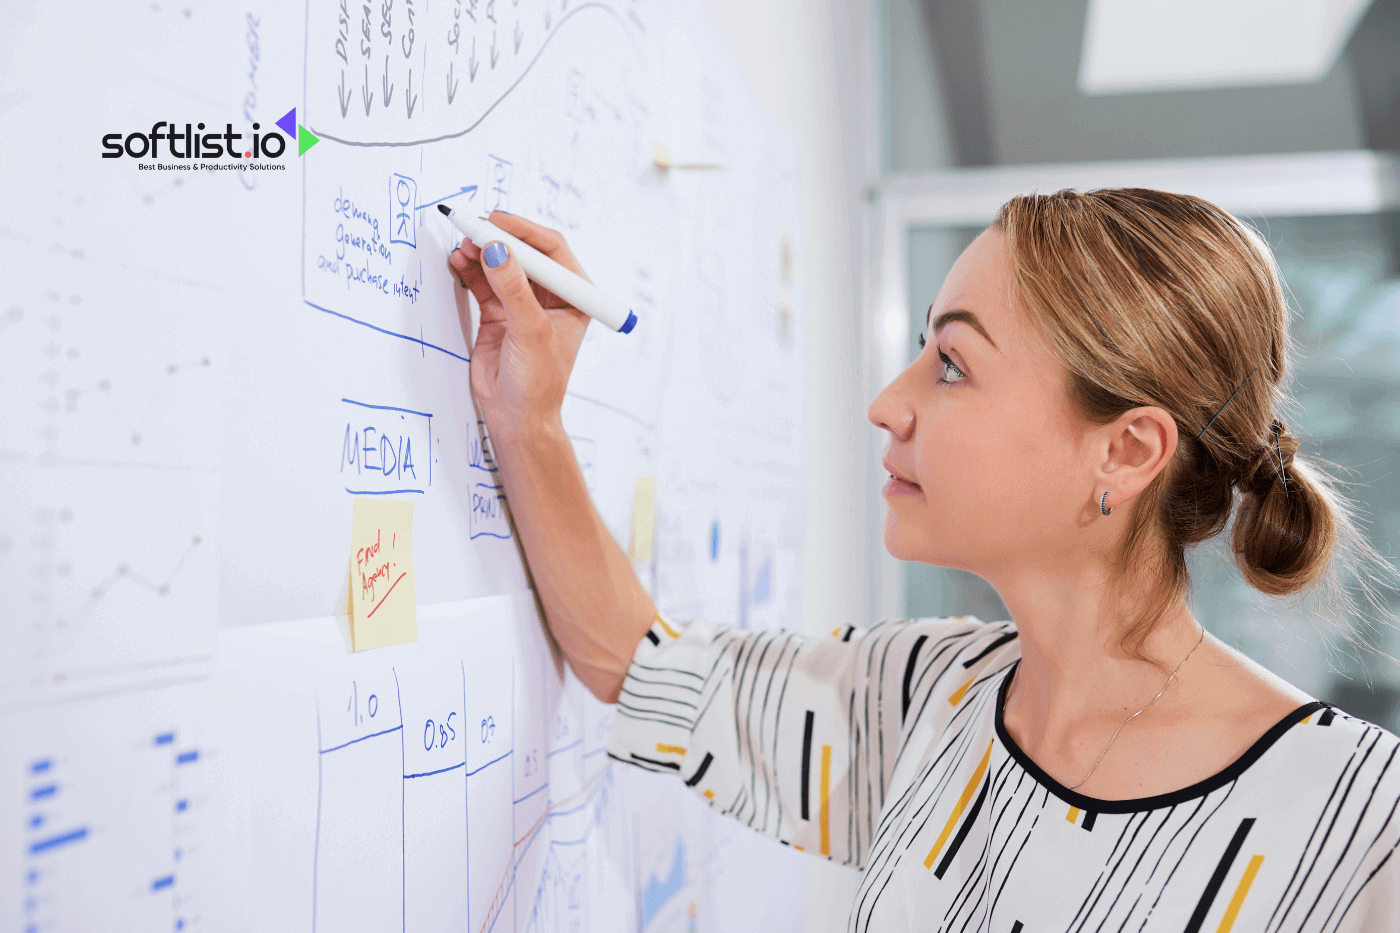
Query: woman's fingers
{"points": [[465, 261], [524, 317], [547, 241]]}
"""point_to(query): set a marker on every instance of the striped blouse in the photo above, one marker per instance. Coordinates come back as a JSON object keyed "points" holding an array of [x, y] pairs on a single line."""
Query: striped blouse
{"points": [[884, 748]]}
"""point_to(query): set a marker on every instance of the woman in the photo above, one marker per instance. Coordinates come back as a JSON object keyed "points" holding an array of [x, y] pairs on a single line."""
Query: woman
{"points": [[1101, 373]]}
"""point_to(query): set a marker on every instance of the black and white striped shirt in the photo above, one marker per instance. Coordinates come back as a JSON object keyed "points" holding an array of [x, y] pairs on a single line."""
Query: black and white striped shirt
{"points": [[884, 748]]}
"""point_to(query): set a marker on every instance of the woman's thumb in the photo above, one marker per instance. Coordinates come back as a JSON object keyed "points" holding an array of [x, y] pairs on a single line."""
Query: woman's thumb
{"points": [[508, 281]]}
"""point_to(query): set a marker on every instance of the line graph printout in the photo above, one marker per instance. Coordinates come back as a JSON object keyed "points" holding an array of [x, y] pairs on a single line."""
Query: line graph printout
{"points": [[120, 578], [113, 366], [112, 441]]}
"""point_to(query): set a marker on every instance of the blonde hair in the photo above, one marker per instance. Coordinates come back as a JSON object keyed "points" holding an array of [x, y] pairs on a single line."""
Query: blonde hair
{"points": [[1158, 299]]}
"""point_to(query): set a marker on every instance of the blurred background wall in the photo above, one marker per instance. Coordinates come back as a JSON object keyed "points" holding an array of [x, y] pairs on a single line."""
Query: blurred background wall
{"points": [[905, 112]]}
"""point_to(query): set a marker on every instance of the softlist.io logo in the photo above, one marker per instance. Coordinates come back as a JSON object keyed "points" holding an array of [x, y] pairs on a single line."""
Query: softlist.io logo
{"points": [[167, 140]]}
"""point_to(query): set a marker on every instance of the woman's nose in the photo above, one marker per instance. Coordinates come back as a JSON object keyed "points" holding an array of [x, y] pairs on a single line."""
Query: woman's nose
{"points": [[888, 412]]}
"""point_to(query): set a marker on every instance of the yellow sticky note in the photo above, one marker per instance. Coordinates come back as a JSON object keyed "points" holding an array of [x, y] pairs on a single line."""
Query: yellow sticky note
{"points": [[643, 519], [383, 610]]}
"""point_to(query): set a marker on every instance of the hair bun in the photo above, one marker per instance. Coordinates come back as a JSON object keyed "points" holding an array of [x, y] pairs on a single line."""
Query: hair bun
{"points": [[1271, 461]]}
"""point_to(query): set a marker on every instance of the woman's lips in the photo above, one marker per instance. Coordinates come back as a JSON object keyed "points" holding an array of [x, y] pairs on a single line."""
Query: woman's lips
{"points": [[898, 485], [901, 487]]}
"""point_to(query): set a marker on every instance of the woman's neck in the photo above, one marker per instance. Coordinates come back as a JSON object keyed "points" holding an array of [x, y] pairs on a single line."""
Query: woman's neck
{"points": [[1075, 680]]}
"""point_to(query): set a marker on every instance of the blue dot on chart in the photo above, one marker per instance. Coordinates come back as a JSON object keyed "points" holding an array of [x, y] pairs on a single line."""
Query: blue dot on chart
{"points": [[714, 540], [180, 924]]}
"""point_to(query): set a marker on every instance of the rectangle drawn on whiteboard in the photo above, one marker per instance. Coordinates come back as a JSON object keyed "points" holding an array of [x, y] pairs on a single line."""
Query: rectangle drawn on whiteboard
{"points": [[403, 203], [488, 514], [378, 449]]}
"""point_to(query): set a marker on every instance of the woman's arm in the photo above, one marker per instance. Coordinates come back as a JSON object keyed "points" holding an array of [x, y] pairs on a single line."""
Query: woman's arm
{"points": [[796, 736], [592, 600], [523, 354], [800, 737]]}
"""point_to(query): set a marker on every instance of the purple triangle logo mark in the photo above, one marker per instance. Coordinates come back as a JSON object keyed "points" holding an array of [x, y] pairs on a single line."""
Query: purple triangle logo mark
{"points": [[288, 123]]}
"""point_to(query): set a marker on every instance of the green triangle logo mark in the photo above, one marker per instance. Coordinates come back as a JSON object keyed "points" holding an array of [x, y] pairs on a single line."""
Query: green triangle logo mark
{"points": [[305, 139]]}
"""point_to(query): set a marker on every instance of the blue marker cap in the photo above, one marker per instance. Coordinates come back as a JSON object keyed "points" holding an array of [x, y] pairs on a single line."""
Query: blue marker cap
{"points": [[631, 323]]}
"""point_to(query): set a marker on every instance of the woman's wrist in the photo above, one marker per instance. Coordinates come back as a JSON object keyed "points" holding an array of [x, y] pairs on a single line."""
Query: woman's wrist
{"points": [[531, 434], [532, 448]]}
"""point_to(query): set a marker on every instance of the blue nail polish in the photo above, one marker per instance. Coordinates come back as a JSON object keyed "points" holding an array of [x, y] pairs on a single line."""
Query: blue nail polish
{"points": [[495, 254]]}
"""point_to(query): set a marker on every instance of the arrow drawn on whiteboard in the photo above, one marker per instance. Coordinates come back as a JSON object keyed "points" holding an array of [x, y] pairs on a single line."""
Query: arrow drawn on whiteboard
{"points": [[344, 98], [469, 190], [519, 36], [451, 85], [388, 88], [471, 62], [369, 95], [408, 97], [494, 56]]}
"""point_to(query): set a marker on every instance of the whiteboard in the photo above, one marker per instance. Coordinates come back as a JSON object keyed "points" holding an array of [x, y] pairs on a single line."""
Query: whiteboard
{"points": [[202, 368]]}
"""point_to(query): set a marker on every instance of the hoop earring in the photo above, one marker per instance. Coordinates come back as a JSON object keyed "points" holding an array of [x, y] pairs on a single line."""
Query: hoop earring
{"points": [[1103, 502]]}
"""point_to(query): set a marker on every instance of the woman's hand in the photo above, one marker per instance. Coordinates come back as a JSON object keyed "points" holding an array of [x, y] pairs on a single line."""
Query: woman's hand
{"points": [[528, 338]]}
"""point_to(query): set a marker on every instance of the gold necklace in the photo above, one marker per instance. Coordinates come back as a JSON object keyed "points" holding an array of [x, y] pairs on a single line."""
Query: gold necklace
{"points": [[1017, 675]]}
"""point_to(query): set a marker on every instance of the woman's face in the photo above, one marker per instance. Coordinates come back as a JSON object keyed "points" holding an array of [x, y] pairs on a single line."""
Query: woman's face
{"points": [[990, 465]]}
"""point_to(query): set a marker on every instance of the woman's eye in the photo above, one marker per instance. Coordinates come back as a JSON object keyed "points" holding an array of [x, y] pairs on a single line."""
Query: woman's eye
{"points": [[949, 364]]}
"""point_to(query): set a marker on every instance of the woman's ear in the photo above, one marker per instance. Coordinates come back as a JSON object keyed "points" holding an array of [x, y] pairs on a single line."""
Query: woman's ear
{"points": [[1141, 444]]}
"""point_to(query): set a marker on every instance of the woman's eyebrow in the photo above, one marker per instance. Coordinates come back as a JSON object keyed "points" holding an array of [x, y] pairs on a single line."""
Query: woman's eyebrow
{"points": [[959, 314]]}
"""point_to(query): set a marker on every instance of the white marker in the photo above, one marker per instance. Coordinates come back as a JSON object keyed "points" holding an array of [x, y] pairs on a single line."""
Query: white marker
{"points": [[573, 288]]}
